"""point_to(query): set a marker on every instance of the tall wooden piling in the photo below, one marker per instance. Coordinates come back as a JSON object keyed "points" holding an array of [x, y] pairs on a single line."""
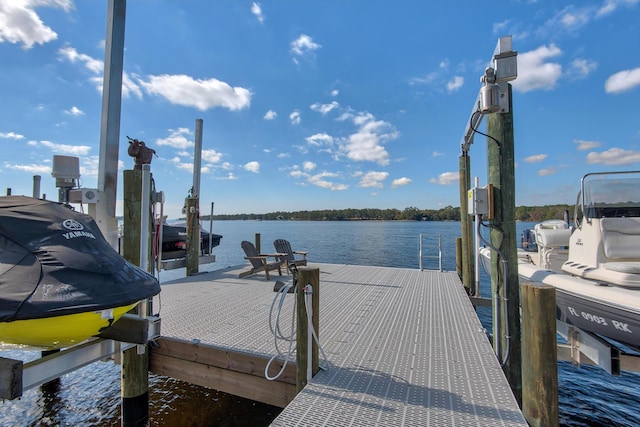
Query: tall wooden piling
{"points": [[500, 152], [307, 276], [135, 367], [466, 224], [193, 235], [459, 256], [539, 360]]}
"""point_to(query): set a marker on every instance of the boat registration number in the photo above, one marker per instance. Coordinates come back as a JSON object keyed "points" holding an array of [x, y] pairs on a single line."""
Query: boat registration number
{"points": [[621, 326]]}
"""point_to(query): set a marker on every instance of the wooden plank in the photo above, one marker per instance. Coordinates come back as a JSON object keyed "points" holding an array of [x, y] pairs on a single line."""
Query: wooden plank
{"points": [[223, 357], [231, 371]]}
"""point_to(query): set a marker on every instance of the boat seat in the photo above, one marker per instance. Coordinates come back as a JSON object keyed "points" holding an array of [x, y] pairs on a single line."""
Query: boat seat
{"points": [[620, 237], [629, 267], [553, 237]]}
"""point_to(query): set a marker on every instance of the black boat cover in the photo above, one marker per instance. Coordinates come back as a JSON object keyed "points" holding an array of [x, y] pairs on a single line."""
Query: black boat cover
{"points": [[55, 261]]}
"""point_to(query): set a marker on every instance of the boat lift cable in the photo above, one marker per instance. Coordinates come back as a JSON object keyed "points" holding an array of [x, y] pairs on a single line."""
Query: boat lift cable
{"points": [[505, 299]]}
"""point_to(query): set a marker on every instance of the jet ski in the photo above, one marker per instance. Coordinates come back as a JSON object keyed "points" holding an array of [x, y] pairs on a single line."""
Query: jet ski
{"points": [[61, 282]]}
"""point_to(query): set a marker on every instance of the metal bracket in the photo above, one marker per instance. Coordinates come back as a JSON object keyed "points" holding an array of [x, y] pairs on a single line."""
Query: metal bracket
{"points": [[602, 353]]}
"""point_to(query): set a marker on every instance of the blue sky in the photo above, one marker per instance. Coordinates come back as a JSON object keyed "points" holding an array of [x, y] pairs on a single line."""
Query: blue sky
{"points": [[321, 104]]}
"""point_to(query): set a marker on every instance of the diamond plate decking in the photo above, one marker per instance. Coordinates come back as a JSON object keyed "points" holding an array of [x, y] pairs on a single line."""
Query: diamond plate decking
{"points": [[405, 346]]}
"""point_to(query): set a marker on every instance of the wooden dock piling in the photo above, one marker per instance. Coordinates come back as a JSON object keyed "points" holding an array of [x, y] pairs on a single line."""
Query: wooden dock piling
{"points": [[307, 276], [506, 335], [135, 367], [539, 360], [193, 234]]}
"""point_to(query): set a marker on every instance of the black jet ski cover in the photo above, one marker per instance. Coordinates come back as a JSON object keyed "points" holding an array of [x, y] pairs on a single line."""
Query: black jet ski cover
{"points": [[55, 261]]}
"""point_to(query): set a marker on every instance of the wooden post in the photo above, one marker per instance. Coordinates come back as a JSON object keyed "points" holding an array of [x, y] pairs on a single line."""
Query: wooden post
{"points": [[539, 360], [193, 235], [135, 367], [307, 276], [256, 240], [503, 236], [131, 210], [135, 387], [459, 256], [466, 222]]}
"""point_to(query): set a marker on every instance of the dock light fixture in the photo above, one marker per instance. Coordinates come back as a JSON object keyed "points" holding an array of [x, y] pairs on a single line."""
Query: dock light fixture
{"points": [[489, 92], [494, 93]]}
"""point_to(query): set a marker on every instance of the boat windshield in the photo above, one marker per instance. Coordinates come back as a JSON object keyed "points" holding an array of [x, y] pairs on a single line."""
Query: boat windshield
{"points": [[611, 194]]}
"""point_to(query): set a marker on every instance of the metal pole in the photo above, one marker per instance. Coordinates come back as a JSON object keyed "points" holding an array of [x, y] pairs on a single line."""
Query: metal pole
{"points": [[36, 186], [197, 159], [105, 214]]}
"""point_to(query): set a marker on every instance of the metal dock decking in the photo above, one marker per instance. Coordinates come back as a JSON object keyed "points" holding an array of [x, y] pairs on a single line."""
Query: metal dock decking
{"points": [[405, 346]]}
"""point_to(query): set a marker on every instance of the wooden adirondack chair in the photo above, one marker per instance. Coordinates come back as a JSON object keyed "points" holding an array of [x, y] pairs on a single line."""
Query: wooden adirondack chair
{"points": [[258, 261], [284, 247]]}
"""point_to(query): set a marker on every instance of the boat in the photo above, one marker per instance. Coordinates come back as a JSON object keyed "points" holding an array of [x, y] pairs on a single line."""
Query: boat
{"points": [[174, 241], [61, 282], [593, 264]]}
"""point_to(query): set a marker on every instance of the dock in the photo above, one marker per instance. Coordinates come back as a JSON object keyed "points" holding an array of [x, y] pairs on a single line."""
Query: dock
{"points": [[405, 347]]}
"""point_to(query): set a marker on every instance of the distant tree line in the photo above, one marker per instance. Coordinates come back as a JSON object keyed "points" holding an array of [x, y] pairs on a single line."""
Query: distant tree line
{"points": [[448, 213]]}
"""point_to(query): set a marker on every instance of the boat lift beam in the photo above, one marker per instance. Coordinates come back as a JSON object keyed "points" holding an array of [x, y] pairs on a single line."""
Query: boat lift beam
{"points": [[599, 351], [17, 376]]}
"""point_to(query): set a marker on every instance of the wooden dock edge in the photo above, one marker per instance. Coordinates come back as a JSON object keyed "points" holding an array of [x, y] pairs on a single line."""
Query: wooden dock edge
{"points": [[220, 368]]}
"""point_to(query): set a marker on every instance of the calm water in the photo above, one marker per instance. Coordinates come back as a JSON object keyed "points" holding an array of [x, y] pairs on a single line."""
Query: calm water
{"points": [[91, 396]]}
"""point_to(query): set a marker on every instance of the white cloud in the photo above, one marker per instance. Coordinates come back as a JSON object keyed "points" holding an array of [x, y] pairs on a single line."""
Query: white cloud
{"points": [[335, 92], [252, 167], [367, 143], [610, 6], [534, 72], [547, 172], [177, 139], [294, 117], [455, 83], [96, 67], [11, 135], [572, 18], [211, 156], [320, 181], [75, 111], [19, 23], [437, 154], [303, 45], [623, 81], [536, 158], [446, 178], [319, 139], [29, 168], [270, 115], [201, 94], [373, 179], [581, 68], [586, 145], [64, 149], [400, 182], [324, 108], [308, 166], [614, 157], [182, 165], [257, 11]]}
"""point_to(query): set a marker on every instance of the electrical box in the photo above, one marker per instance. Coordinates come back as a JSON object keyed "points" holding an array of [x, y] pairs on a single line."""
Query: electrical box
{"points": [[84, 195], [480, 201]]}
